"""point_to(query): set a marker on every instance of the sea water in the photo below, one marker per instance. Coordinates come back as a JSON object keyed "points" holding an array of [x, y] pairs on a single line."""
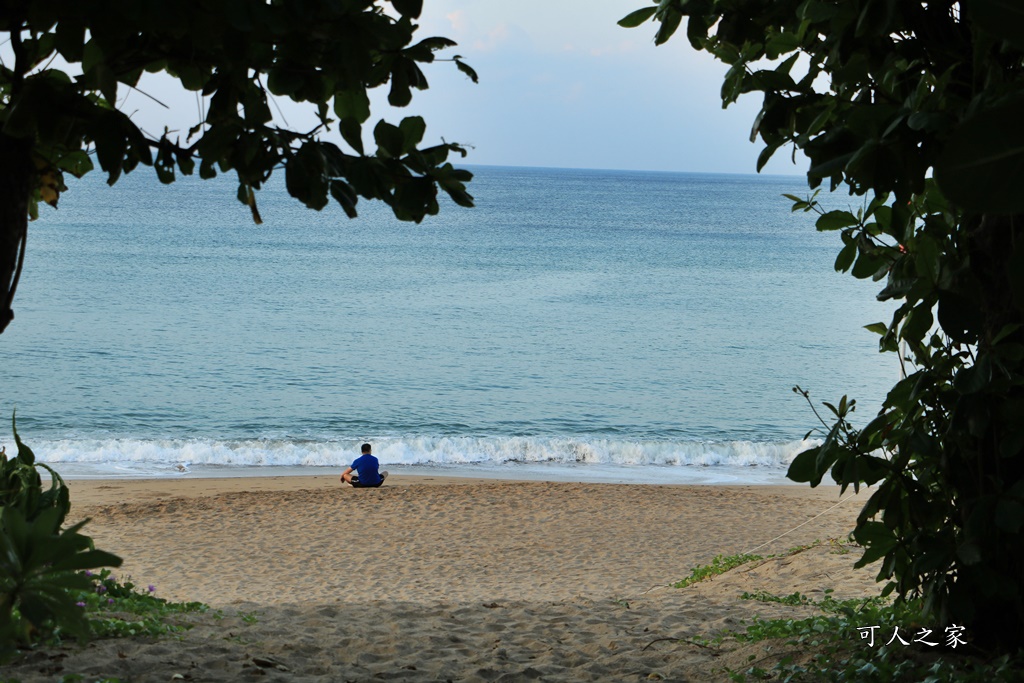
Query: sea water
{"points": [[576, 324]]}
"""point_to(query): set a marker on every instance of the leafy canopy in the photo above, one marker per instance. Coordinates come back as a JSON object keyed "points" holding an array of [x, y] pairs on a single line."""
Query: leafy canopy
{"points": [[239, 54], [917, 107], [71, 59]]}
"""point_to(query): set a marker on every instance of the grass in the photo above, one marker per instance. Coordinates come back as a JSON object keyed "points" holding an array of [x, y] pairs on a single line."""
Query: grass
{"points": [[832, 646]]}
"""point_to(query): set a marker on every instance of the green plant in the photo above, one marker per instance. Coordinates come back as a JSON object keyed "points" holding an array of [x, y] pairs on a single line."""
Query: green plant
{"points": [[21, 486], [791, 600], [719, 565], [831, 647], [120, 609], [850, 607], [916, 107], [723, 563], [40, 563]]}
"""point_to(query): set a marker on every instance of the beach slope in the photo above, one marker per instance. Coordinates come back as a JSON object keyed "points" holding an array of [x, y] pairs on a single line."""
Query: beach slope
{"points": [[449, 579]]}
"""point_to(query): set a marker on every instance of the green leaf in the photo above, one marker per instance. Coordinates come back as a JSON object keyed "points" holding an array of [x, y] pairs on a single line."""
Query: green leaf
{"points": [[804, 467], [846, 257], [352, 104], [400, 94], [816, 11], [878, 328], [433, 44], [77, 163], [835, 220], [781, 43], [896, 287], [345, 196], [868, 265], [257, 110], [917, 323], [878, 540], [416, 196], [764, 157], [111, 143], [975, 378], [927, 258], [305, 176], [25, 454], [352, 133], [193, 77], [70, 39], [408, 8], [389, 139], [959, 317], [466, 69], [670, 20], [90, 559], [413, 128], [637, 17]]}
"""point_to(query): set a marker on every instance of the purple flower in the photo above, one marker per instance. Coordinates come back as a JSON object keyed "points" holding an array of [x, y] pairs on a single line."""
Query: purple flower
{"points": [[80, 604], [110, 601], [101, 589], [88, 573], [152, 588]]}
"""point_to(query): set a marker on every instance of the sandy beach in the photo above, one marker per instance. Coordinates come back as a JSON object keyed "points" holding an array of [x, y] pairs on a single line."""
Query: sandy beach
{"points": [[433, 579]]}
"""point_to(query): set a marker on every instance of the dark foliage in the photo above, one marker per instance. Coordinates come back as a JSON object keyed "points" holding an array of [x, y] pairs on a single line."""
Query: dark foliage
{"points": [[239, 54], [917, 107]]}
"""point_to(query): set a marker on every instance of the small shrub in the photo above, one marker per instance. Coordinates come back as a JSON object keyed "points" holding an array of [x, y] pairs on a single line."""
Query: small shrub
{"points": [[40, 563]]}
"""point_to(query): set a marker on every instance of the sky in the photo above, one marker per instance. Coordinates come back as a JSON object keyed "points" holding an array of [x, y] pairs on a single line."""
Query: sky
{"points": [[561, 85]]}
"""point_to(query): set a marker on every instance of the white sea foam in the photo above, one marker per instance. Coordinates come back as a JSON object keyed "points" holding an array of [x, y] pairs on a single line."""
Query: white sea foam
{"points": [[180, 455]]}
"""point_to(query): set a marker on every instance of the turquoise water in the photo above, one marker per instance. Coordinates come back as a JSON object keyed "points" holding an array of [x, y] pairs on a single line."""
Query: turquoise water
{"points": [[595, 321]]}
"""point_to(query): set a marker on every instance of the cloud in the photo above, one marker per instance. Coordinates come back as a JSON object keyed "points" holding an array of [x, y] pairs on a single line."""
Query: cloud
{"points": [[458, 20], [493, 39], [620, 48]]}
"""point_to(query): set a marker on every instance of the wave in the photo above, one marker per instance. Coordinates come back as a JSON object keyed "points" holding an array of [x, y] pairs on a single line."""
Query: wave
{"points": [[180, 454]]}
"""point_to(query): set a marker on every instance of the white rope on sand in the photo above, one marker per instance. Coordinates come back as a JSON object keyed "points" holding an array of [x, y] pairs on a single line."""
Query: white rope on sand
{"points": [[751, 551]]}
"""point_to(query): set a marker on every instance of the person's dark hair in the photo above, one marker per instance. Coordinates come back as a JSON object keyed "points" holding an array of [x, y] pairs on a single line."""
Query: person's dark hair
{"points": [[366, 448]]}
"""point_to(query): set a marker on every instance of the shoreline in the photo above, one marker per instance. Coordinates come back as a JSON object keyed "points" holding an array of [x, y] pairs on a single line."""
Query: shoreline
{"points": [[98, 490], [693, 475]]}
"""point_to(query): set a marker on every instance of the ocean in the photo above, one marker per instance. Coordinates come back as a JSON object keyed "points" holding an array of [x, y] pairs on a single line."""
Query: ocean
{"points": [[577, 324]]}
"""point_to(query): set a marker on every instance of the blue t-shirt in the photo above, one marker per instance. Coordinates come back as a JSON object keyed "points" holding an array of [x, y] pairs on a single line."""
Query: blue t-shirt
{"points": [[368, 469]]}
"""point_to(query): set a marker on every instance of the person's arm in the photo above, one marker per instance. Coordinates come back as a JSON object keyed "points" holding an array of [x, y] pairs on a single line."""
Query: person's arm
{"points": [[347, 475]]}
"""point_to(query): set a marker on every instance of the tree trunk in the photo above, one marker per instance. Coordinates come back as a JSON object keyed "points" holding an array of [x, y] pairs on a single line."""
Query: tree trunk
{"points": [[15, 185]]}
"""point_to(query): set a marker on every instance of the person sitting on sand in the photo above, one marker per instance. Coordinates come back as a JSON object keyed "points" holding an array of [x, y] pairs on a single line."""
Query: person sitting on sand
{"points": [[364, 472]]}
